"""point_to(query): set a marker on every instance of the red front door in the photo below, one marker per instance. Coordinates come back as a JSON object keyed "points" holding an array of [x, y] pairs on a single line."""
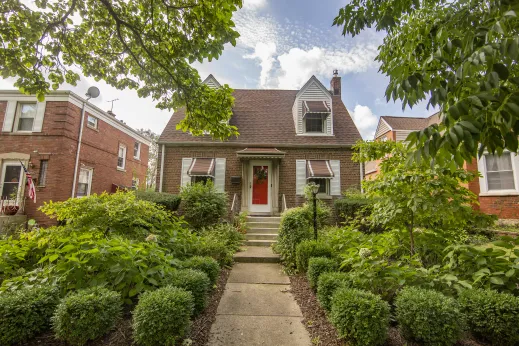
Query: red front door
{"points": [[260, 185]]}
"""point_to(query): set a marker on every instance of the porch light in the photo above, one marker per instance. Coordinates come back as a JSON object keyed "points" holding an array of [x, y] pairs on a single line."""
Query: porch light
{"points": [[315, 189]]}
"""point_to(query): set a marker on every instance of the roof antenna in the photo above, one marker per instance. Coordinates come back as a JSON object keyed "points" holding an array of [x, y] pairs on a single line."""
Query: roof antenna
{"points": [[112, 101]]}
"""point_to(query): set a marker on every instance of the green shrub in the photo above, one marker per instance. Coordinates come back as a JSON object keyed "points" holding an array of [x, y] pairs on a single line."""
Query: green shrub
{"points": [[349, 208], [193, 281], [310, 248], [86, 315], [318, 266], [491, 315], [295, 227], [360, 317], [224, 233], [208, 265], [167, 200], [209, 247], [25, 313], [328, 283], [202, 205], [162, 316], [428, 317]]}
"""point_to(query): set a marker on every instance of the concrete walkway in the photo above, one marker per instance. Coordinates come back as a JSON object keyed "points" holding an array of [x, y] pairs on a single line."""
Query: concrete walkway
{"points": [[257, 309]]}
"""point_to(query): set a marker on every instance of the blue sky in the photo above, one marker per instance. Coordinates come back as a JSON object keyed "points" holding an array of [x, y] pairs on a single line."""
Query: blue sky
{"points": [[282, 43]]}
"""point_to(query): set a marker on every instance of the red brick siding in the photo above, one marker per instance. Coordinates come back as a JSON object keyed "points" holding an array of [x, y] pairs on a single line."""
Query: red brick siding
{"points": [[57, 143], [350, 171]]}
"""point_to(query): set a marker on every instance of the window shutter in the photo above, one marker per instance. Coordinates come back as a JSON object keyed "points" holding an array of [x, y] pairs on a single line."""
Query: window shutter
{"points": [[184, 177], [219, 174], [335, 182], [300, 177], [10, 111], [38, 120]]}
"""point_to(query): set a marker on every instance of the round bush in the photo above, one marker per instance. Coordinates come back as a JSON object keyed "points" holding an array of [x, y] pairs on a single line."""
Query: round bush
{"points": [[295, 227], [202, 205], [328, 283], [86, 315], [167, 200], [206, 264], [193, 281], [318, 266], [492, 315], [428, 317], [162, 316], [25, 313], [360, 316], [310, 248]]}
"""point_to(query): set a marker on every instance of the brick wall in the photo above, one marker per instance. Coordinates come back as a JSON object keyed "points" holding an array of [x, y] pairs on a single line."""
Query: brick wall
{"points": [[505, 207], [350, 171], [57, 143]]}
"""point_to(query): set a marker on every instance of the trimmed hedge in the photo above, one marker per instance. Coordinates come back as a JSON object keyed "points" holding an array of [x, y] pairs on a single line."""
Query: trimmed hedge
{"points": [[347, 209], [328, 283], [86, 315], [310, 248], [208, 265], [428, 316], [318, 266], [193, 281], [492, 315], [25, 313], [167, 200], [162, 316], [360, 316], [202, 204]]}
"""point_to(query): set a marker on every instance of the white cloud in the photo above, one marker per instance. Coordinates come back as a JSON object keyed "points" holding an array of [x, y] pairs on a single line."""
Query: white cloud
{"points": [[265, 52], [254, 4], [365, 121]]}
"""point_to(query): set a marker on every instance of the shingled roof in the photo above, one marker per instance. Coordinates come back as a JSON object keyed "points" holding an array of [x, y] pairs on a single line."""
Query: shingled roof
{"points": [[264, 118], [411, 124]]}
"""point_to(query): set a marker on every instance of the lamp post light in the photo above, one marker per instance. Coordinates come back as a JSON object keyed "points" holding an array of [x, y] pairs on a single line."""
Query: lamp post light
{"points": [[315, 190]]}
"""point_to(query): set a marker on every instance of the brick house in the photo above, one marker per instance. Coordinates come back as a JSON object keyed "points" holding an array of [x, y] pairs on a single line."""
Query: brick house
{"points": [[44, 136], [287, 139], [498, 186]]}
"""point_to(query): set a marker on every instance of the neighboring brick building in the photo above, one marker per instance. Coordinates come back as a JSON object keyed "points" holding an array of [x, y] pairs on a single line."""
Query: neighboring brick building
{"points": [[498, 186], [287, 138], [44, 136]]}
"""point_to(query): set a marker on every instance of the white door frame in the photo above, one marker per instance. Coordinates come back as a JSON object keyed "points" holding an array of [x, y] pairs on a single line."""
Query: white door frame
{"points": [[260, 208]]}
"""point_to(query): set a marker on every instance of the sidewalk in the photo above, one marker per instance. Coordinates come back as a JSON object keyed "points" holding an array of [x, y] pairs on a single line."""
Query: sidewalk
{"points": [[257, 309]]}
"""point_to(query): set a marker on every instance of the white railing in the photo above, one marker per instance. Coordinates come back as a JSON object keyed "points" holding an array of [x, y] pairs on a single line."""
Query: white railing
{"points": [[235, 203], [284, 201]]}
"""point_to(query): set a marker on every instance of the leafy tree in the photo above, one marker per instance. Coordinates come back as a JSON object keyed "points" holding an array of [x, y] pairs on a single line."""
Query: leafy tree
{"points": [[153, 156], [146, 45], [411, 195], [460, 56]]}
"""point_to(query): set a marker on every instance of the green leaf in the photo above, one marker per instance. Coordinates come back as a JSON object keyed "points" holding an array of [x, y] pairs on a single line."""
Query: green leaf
{"points": [[502, 71], [496, 280]]}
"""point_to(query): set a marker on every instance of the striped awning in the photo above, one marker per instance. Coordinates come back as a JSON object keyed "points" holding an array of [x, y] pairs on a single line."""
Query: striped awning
{"points": [[316, 107], [201, 168], [269, 153], [319, 169]]}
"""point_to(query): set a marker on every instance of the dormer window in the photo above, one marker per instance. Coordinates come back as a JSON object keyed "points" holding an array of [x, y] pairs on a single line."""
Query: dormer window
{"points": [[314, 123]]}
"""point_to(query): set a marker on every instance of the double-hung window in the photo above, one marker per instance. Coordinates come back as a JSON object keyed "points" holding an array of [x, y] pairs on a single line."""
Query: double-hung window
{"points": [[10, 180], [42, 176], [92, 122], [314, 123], [137, 150], [324, 185], [84, 182], [25, 116], [121, 157], [499, 172]]}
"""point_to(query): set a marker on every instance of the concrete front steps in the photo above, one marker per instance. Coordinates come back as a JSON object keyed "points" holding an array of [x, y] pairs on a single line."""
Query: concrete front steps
{"points": [[263, 230]]}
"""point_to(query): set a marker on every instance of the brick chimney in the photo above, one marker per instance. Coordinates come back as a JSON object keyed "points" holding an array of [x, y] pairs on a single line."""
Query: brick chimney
{"points": [[335, 84]]}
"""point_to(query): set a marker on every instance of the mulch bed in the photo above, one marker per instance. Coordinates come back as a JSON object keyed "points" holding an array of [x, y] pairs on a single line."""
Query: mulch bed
{"points": [[323, 333], [122, 334]]}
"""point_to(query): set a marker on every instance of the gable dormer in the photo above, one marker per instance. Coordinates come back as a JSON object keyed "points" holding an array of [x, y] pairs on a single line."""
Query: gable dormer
{"points": [[312, 110], [212, 82]]}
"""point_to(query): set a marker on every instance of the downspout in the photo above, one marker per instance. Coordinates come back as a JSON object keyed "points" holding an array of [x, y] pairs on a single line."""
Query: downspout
{"points": [[79, 146], [162, 166]]}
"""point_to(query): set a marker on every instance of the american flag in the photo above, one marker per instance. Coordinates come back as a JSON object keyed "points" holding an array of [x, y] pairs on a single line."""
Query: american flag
{"points": [[30, 183]]}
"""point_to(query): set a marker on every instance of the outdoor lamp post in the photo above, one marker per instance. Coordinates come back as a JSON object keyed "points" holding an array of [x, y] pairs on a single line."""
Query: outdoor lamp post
{"points": [[315, 190]]}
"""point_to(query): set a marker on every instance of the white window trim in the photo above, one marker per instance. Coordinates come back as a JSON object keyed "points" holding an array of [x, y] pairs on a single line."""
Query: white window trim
{"points": [[18, 115], [138, 157], [124, 157], [21, 182], [89, 189], [96, 122], [483, 186]]}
